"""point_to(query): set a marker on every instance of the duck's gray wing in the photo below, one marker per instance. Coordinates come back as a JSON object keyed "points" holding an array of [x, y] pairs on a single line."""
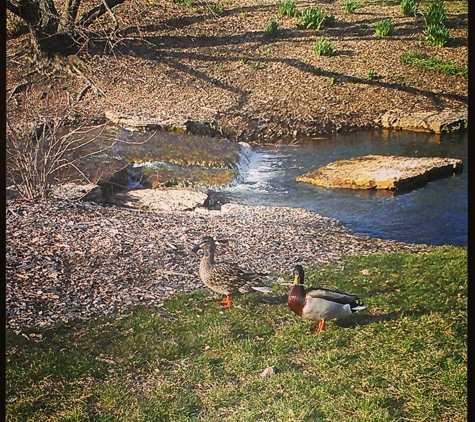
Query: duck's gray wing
{"points": [[331, 295]]}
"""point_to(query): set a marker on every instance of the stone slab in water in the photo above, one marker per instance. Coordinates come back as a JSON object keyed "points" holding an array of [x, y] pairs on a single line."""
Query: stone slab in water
{"points": [[382, 172]]}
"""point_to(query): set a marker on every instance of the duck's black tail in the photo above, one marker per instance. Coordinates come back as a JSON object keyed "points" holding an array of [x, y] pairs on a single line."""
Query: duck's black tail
{"points": [[357, 305]]}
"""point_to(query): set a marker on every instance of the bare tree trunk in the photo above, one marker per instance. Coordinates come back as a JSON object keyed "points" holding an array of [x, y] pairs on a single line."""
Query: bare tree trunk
{"points": [[42, 19], [51, 32]]}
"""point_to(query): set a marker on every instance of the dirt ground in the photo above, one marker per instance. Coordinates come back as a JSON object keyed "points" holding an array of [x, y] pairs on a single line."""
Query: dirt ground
{"points": [[220, 68]]}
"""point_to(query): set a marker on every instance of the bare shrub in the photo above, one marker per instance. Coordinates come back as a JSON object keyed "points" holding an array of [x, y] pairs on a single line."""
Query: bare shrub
{"points": [[36, 157], [41, 149]]}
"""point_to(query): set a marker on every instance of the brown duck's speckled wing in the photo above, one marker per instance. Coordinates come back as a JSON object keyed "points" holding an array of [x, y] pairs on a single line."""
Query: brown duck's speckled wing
{"points": [[331, 295], [234, 279]]}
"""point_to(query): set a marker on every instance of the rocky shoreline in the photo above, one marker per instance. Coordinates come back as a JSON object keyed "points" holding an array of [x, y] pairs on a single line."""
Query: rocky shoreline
{"points": [[68, 260]]}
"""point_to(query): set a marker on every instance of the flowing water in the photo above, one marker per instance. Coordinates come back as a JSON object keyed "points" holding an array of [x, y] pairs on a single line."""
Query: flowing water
{"points": [[435, 214]]}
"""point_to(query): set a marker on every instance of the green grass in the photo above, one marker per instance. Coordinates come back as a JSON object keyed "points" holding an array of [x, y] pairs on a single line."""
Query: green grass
{"points": [[405, 358], [433, 64]]}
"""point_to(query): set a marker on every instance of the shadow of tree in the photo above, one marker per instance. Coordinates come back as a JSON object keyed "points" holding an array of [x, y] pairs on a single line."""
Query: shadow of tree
{"points": [[185, 53]]}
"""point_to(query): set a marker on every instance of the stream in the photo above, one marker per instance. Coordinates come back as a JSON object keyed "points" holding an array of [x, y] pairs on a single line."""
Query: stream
{"points": [[435, 214]]}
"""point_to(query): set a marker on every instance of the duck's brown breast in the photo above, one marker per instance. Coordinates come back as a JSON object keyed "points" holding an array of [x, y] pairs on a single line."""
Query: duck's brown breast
{"points": [[296, 299]]}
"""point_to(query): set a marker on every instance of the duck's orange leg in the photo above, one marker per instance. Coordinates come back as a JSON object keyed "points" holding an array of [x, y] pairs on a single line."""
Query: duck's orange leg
{"points": [[226, 303], [318, 328]]}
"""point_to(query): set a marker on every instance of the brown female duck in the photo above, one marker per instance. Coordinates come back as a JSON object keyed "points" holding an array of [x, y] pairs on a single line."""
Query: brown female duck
{"points": [[226, 278]]}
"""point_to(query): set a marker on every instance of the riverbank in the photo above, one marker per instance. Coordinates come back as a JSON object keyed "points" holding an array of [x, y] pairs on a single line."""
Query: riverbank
{"points": [[68, 260], [218, 68]]}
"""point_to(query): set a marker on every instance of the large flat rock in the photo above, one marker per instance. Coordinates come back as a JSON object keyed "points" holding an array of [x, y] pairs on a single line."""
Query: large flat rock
{"points": [[164, 200], [150, 199], [382, 172]]}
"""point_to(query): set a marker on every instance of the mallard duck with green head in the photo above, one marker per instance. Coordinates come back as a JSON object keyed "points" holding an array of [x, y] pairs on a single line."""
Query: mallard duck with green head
{"points": [[319, 304], [225, 278]]}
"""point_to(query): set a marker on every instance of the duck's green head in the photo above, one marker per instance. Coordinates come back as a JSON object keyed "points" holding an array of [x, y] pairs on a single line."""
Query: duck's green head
{"points": [[298, 275]]}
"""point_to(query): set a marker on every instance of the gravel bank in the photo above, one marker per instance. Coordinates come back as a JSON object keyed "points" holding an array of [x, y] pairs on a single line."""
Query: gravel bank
{"points": [[67, 260]]}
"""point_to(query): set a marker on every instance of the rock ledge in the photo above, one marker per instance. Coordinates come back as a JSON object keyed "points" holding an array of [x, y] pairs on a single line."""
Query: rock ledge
{"points": [[448, 120]]}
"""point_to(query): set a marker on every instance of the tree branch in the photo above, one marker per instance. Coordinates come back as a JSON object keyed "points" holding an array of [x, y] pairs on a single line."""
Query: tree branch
{"points": [[96, 12]]}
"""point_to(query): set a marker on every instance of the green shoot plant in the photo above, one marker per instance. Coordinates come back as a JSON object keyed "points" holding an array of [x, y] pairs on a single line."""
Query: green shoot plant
{"points": [[214, 7], [384, 27], [287, 8], [409, 7], [351, 5], [312, 18], [187, 3], [317, 71], [272, 28], [323, 47], [371, 75], [435, 15], [437, 35]]}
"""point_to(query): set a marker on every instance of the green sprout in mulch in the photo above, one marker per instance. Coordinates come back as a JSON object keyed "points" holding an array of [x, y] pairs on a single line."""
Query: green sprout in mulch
{"points": [[437, 35], [423, 61], [351, 6], [436, 14], [404, 358], [323, 47], [317, 71], [214, 7], [272, 28], [315, 18], [371, 75], [287, 8], [384, 27], [409, 7], [187, 3]]}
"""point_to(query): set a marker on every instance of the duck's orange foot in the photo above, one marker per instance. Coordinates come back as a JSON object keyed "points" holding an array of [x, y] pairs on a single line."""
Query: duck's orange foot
{"points": [[226, 303], [318, 328]]}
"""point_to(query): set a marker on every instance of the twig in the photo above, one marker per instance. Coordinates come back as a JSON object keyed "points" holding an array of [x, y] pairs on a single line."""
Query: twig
{"points": [[116, 24], [83, 91], [19, 88]]}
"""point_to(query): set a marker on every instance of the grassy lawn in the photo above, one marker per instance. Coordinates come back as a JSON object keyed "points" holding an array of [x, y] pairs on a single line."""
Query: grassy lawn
{"points": [[405, 358]]}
